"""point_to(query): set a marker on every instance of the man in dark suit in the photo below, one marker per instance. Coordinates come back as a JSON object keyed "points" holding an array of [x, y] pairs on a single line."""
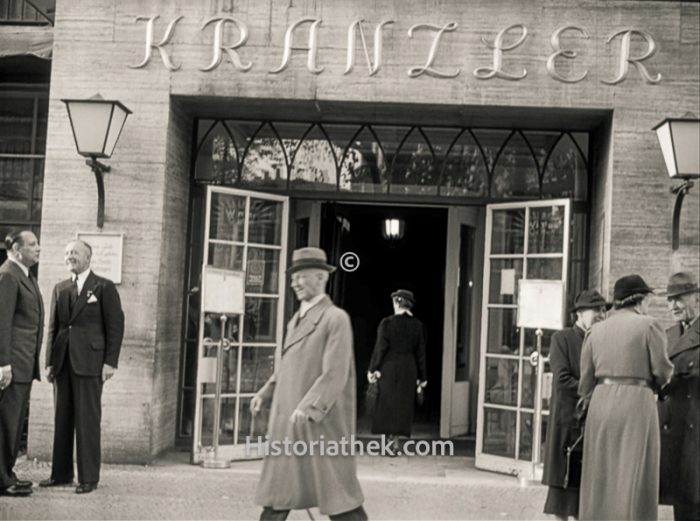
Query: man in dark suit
{"points": [[21, 330], [86, 326], [565, 360], [679, 402]]}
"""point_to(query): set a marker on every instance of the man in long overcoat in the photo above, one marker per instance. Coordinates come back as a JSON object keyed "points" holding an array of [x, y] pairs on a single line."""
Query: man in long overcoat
{"points": [[313, 400], [21, 330], [565, 361], [679, 402]]}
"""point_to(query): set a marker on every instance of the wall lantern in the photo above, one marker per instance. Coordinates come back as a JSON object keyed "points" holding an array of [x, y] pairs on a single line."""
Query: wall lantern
{"points": [[679, 138], [392, 229], [97, 124]]}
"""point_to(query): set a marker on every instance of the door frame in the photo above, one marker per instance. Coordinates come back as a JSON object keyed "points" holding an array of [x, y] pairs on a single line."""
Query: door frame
{"points": [[453, 391]]}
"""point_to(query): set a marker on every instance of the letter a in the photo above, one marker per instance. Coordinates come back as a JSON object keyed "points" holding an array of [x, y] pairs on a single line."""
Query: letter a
{"points": [[312, 49]]}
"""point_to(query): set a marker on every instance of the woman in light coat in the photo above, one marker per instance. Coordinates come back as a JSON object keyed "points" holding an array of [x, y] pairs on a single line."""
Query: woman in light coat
{"points": [[623, 362]]}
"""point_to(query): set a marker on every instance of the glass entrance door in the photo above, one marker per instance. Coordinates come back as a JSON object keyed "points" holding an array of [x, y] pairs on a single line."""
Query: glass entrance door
{"points": [[244, 232], [527, 240]]}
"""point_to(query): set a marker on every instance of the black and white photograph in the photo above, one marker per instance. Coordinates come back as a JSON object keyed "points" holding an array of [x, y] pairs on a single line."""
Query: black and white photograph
{"points": [[349, 260]]}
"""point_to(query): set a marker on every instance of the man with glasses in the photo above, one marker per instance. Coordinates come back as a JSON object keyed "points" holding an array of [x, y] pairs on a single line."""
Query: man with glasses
{"points": [[21, 330]]}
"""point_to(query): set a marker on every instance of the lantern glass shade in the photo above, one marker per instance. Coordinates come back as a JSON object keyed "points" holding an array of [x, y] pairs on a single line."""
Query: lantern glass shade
{"points": [[680, 144], [393, 229], [96, 124]]}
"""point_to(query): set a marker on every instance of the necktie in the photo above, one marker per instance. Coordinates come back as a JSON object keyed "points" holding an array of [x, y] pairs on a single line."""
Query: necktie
{"points": [[73, 294]]}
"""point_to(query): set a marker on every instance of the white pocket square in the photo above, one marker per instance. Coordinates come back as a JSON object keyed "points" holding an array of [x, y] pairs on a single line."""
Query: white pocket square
{"points": [[92, 299]]}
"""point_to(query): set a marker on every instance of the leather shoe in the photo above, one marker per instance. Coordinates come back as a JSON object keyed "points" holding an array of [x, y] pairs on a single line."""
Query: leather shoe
{"points": [[16, 491], [23, 483], [55, 483], [84, 488]]}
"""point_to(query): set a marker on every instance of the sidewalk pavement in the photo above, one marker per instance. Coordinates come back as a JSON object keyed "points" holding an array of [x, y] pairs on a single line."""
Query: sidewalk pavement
{"points": [[402, 488]]}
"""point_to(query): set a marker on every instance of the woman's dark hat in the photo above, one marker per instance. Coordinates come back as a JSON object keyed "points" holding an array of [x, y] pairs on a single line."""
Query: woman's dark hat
{"points": [[630, 285], [404, 294], [589, 299], [309, 258], [681, 283]]}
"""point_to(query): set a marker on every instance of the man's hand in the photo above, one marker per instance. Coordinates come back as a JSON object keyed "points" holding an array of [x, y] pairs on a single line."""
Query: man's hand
{"points": [[256, 404], [5, 378], [107, 372], [49, 374], [298, 417]]}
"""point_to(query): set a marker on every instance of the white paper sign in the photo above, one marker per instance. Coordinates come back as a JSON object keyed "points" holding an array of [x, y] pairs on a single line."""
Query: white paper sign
{"points": [[541, 304], [107, 253], [507, 281], [223, 291]]}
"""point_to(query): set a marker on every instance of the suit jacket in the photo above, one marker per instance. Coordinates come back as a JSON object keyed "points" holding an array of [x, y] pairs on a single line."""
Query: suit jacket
{"points": [[21, 322], [92, 332], [679, 418]]}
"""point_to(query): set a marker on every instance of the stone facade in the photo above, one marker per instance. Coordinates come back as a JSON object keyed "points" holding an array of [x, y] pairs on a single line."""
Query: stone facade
{"points": [[96, 42]]}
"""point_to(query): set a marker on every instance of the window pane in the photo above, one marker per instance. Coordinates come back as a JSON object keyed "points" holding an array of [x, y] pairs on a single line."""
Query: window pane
{"points": [[546, 233], [265, 222], [262, 271], [229, 370], [542, 143], [265, 162], [187, 413], [464, 171], [501, 381], [503, 333], [257, 366], [529, 383], [260, 319], [217, 159], [16, 124], [530, 341], [491, 142], [364, 167], [226, 425], [499, 432], [525, 436], [313, 164], [566, 173], [225, 256], [414, 169], [507, 235], [15, 185], [549, 269], [227, 217], [515, 173], [505, 274]]}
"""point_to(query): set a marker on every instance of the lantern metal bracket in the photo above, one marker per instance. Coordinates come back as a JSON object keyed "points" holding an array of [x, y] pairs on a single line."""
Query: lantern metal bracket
{"points": [[680, 192], [99, 169]]}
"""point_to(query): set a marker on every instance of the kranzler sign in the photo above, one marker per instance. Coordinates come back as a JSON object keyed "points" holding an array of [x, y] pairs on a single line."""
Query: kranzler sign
{"points": [[303, 36]]}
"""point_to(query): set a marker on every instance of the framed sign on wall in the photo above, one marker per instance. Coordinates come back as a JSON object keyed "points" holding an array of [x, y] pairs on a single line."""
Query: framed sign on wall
{"points": [[107, 253]]}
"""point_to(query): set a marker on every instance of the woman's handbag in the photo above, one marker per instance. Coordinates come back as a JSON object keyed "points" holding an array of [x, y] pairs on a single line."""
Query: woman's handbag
{"points": [[372, 397], [574, 463], [420, 396]]}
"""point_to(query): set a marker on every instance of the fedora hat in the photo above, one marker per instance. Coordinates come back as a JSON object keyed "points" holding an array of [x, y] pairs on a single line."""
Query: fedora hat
{"points": [[681, 283], [404, 294], [309, 258], [588, 299], [630, 285]]}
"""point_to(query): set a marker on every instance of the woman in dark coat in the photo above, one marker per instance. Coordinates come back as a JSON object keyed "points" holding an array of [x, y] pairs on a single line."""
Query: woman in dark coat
{"points": [[398, 361], [565, 358], [679, 402], [623, 361]]}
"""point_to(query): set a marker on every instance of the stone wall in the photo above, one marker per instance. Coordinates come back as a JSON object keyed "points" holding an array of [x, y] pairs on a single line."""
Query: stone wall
{"points": [[96, 42]]}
